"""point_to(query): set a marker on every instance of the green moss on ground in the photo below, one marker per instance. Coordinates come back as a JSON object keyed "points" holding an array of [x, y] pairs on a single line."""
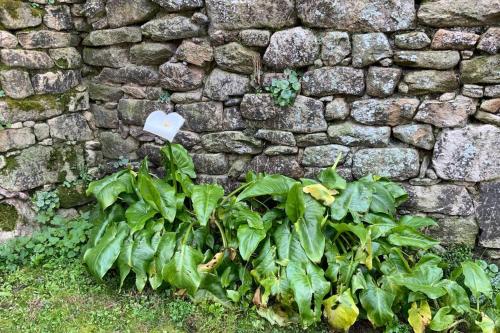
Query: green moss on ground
{"points": [[8, 217], [64, 298]]}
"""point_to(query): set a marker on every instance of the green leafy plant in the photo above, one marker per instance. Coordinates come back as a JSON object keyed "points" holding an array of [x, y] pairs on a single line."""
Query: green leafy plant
{"points": [[45, 203], [299, 250], [61, 240], [285, 91], [2, 93], [164, 97]]}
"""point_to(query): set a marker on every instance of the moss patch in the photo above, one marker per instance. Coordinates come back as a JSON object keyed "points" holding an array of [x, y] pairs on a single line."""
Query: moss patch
{"points": [[10, 164], [72, 197], [8, 217], [12, 7]]}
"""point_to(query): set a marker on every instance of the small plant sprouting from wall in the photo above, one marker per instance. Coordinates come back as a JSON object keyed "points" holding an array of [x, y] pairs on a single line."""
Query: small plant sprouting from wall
{"points": [[285, 91]]}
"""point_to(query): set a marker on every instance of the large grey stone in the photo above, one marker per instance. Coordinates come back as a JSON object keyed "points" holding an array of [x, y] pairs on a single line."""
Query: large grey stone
{"points": [[211, 164], [255, 37], [485, 69], [312, 139], [390, 112], [488, 213], [468, 154], [55, 82], [103, 117], [234, 57], [231, 142], [417, 135], [66, 58], [58, 17], [112, 56], [283, 165], [172, 27], [333, 81], [367, 49], [143, 75], [296, 47], [179, 5], [11, 139], [394, 163], [428, 82], [104, 92], [16, 15], [180, 77], [113, 36], [352, 134], [453, 13], [244, 14], [7, 40], [124, 12], [33, 108], [324, 156], [427, 59], [115, 147], [304, 116], [16, 83], [335, 47], [148, 53], [41, 165], [453, 113], [27, 59], [412, 40], [72, 127], [210, 117], [455, 230], [441, 199], [221, 85], [338, 109], [489, 42], [135, 111], [276, 137], [382, 81], [358, 15], [46, 39]]}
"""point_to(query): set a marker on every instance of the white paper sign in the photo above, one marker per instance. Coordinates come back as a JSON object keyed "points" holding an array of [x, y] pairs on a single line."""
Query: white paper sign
{"points": [[164, 125]]}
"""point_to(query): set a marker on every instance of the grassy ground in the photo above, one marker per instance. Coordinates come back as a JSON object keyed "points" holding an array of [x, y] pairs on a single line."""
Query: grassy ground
{"points": [[64, 298]]}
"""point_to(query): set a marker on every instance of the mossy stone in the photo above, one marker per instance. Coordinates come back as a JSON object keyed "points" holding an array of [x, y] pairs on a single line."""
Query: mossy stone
{"points": [[73, 196], [8, 217]]}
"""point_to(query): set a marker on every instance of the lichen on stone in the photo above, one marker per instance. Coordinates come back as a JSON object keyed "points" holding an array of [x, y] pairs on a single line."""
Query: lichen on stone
{"points": [[8, 217]]}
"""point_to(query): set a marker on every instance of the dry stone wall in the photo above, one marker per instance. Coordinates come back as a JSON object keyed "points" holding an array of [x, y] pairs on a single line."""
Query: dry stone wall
{"points": [[403, 89]]}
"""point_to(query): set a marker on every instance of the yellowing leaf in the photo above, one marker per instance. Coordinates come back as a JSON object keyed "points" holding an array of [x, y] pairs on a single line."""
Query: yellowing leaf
{"points": [[212, 264], [419, 317], [321, 193], [341, 311], [486, 324]]}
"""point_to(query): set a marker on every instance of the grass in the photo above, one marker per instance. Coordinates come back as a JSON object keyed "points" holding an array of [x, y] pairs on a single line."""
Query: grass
{"points": [[65, 298]]}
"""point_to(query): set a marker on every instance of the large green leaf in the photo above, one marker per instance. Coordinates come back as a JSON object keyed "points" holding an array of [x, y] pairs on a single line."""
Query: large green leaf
{"points": [[138, 214], [295, 206], [108, 189], [248, 240], [102, 219], [183, 161], [404, 236], [442, 320], [205, 198], [268, 185], [164, 254], [100, 259], [288, 245], [417, 222], [356, 198], [309, 288], [424, 279], [382, 200], [341, 311], [142, 252], [456, 296], [309, 230], [331, 179], [476, 279], [157, 193], [378, 305], [182, 271]]}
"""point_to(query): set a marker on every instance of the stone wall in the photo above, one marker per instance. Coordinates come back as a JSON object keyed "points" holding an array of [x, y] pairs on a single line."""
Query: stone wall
{"points": [[404, 90]]}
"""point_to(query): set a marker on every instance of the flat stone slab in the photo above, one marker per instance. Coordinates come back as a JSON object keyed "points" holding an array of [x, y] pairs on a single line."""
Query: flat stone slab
{"points": [[488, 213], [442, 199], [394, 163]]}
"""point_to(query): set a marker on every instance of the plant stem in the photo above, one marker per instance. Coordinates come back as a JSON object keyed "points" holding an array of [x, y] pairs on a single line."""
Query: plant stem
{"points": [[172, 165], [222, 233]]}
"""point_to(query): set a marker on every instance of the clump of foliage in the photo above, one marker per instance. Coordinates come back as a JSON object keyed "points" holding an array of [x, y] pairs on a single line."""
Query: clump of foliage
{"points": [[285, 91], [45, 204], [2, 93], [61, 239], [454, 256], [297, 250], [164, 97]]}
